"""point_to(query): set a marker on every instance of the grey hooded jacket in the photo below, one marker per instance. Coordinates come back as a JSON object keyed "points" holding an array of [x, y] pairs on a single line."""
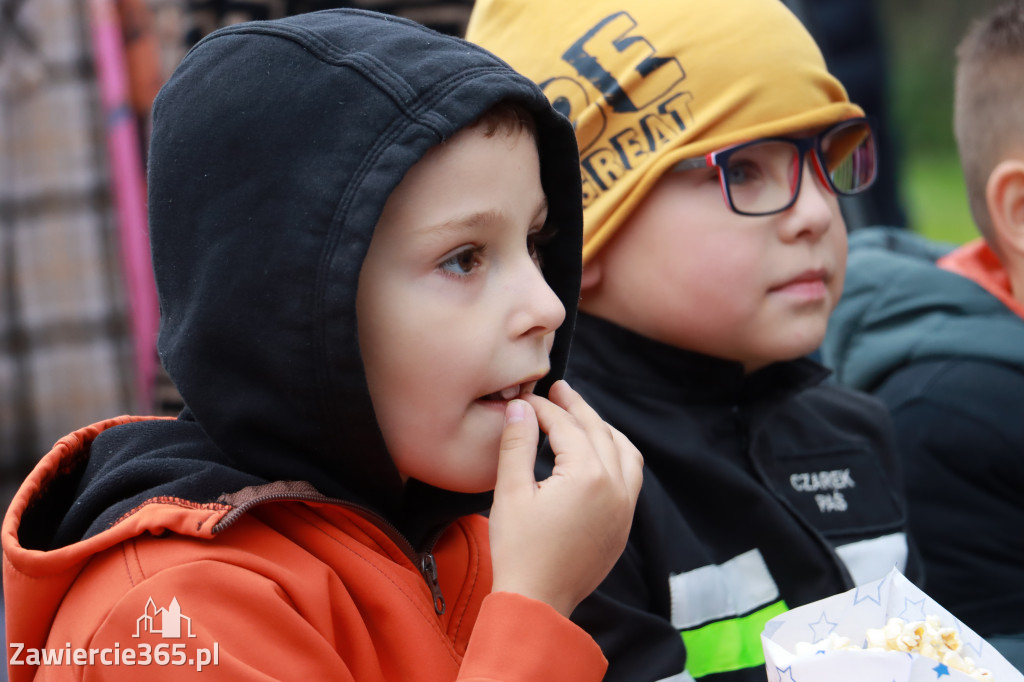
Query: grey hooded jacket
{"points": [[947, 358]]}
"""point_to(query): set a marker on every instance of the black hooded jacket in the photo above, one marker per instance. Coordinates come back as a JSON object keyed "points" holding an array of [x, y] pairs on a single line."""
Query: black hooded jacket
{"points": [[762, 492], [275, 146]]}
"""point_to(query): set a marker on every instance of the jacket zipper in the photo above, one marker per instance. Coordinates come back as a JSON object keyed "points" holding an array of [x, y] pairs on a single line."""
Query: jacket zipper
{"points": [[423, 561], [428, 567]]}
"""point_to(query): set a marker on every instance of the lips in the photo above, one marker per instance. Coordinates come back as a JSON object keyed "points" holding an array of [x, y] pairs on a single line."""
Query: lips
{"points": [[525, 387], [809, 280], [504, 394]]}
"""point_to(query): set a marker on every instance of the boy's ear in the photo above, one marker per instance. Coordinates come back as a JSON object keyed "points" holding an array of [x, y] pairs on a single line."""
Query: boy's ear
{"points": [[1004, 195], [592, 274]]}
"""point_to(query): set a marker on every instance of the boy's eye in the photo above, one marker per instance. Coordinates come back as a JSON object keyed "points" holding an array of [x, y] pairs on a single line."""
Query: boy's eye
{"points": [[463, 261], [742, 171]]}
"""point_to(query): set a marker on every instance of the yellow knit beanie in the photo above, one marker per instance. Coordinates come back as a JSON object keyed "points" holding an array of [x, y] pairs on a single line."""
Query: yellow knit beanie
{"points": [[651, 82]]}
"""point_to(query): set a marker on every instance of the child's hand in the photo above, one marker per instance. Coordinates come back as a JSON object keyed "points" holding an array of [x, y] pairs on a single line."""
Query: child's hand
{"points": [[555, 540]]}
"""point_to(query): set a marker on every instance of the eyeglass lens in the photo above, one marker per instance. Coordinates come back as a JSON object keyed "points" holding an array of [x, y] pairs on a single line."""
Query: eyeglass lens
{"points": [[764, 177], [847, 155]]}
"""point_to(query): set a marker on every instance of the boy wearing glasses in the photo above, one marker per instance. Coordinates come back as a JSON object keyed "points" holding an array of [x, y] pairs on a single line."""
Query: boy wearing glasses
{"points": [[713, 145]]}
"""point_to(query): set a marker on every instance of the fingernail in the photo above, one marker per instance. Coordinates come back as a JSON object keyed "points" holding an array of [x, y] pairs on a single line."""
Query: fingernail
{"points": [[515, 411]]}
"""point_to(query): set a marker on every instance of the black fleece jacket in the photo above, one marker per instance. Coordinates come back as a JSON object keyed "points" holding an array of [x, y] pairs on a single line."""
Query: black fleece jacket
{"points": [[761, 492]]}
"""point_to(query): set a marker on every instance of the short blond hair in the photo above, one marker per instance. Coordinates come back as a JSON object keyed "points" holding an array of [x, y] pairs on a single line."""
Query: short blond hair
{"points": [[988, 111]]}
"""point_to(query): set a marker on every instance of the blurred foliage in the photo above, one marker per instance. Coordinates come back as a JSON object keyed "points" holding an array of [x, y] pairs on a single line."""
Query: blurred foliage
{"points": [[934, 197], [921, 37]]}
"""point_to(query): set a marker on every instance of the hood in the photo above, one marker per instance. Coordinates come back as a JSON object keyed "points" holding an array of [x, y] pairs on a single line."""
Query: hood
{"points": [[274, 148], [647, 84], [899, 307]]}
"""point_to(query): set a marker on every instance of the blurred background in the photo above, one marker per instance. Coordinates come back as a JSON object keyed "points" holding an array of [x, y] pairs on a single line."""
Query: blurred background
{"points": [[921, 37]]}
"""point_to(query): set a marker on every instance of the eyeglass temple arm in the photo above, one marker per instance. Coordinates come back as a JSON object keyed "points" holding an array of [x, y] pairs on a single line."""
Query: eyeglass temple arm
{"points": [[691, 164]]}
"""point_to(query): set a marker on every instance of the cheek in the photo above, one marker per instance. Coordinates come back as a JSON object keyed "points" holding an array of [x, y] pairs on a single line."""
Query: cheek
{"points": [[439, 349], [404, 360], [839, 254], [704, 238], [423, 354], [835, 287], [716, 267]]}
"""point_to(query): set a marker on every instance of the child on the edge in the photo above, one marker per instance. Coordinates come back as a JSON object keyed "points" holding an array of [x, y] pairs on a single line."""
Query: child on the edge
{"points": [[713, 143], [938, 335], [365, 236]]}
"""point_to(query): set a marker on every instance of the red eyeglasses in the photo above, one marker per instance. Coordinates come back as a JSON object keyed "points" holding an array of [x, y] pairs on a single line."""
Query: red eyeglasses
{"points": [[763, 176]]}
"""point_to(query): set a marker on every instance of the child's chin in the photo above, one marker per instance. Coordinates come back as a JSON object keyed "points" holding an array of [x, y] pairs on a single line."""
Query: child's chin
{"points": [[473, 487], [470, 481], [805, 339], [469, 485]]}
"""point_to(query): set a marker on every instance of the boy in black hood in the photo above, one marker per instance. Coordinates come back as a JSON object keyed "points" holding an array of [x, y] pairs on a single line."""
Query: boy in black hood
{"points": [[365, 236]]}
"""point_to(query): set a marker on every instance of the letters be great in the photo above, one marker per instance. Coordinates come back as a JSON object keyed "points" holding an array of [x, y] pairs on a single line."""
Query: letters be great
{"points": [[628, 148]]}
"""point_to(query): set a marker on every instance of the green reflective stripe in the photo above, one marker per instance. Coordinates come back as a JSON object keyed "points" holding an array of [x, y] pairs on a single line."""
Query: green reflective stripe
{"points": [[727, 645]]}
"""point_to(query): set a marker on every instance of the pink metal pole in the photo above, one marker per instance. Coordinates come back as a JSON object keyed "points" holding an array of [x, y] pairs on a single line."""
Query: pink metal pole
{"points": [[128, 179]]}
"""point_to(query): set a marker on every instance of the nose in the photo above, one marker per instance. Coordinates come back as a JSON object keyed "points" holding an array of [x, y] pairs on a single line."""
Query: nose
{"points": [[815, 209], [537, 311]]}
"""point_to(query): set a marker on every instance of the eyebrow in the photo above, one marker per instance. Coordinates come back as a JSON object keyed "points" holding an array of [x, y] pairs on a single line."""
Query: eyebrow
{"points": [[471, 220]]}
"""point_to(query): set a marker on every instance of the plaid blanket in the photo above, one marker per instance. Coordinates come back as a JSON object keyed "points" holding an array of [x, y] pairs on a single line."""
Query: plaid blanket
{"points": [[65, 340], [204, 16], [64, 344]]}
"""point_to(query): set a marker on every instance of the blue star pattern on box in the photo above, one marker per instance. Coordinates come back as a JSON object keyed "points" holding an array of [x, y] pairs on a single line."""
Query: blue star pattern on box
{"points": [[788, 670], [941, 670], [868, 593], [913, 610], [821, 628]]}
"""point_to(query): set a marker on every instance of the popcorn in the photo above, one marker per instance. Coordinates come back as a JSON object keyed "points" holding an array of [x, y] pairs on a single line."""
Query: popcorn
{"points": [[926, 638], [832, 642], [879, 631]]}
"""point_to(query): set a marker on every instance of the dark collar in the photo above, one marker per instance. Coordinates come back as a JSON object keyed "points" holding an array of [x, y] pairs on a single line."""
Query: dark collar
{"points": [[631, 362]]}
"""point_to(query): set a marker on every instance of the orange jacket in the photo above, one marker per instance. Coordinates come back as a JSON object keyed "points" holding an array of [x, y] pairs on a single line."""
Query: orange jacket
{"points": [[273, 582], [977, 262]]}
